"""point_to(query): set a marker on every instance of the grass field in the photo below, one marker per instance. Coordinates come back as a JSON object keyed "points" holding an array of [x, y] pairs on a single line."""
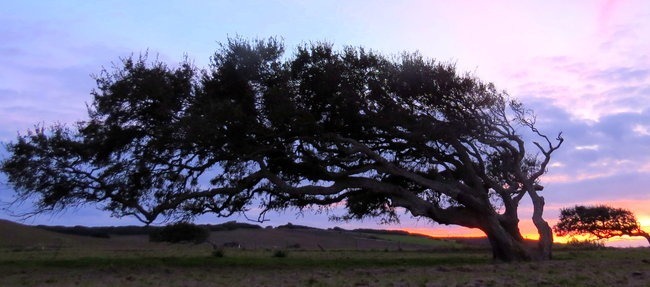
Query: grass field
{"points": [[608, 267], [132, 261]]}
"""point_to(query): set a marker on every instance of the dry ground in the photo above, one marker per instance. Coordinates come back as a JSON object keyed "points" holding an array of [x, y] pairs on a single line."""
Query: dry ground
{"points": [[367, 268], [40, 258]]}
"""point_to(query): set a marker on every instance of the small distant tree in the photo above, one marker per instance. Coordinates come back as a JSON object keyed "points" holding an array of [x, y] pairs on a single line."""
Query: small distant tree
{"points": [[600, 221]]}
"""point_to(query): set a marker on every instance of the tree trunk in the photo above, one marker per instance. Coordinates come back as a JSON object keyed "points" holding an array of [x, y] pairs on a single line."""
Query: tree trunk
{"points": [[510, 222], [545, 243], [505, 247]]}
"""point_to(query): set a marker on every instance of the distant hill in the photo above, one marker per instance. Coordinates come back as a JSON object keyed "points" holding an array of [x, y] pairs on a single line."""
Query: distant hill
{"points": [[309, 238], [14, 234], [107, 231], [232, 234]]}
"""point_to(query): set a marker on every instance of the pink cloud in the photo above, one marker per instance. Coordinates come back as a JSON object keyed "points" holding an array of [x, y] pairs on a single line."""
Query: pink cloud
{"points": [[606, 11]]}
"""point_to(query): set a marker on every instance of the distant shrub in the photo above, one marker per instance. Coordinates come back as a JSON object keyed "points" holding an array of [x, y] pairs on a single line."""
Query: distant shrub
{"points": [[180, 232], [218, 253], [294, 246], [280, 253], [232, 225], [100, 235], [585, 244], [294, 226]]}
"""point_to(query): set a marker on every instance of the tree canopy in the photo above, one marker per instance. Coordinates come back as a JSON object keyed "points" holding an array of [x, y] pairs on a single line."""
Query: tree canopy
{"points": [[259, 128], [600, 221]]}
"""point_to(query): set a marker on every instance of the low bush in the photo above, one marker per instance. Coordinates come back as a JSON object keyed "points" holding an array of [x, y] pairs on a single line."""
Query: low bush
{"points": [[218, 253], [585, 244], [280, 253], [180, 232]]}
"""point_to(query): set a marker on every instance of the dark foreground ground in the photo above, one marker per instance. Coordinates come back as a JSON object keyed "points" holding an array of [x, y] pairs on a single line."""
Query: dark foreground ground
{"points": [[610, 267], [33, 257]]}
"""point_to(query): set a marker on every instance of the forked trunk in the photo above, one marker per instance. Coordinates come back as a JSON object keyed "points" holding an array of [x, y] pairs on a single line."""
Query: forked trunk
{"points": [[545, 243], [505, 247]]}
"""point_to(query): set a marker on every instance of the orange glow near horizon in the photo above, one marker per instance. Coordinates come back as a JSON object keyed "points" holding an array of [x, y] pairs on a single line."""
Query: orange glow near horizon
{"points": [[639, 207], [467, 232], [528, 230], [461, 232], [446, 232]]}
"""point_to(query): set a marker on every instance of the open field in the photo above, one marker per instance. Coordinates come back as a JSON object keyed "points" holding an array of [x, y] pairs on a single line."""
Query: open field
{"points": [[132, 261], [629, 267]]}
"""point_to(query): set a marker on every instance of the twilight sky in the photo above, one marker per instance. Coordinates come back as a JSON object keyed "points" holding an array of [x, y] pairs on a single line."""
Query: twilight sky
{"points": [[583, 66]]}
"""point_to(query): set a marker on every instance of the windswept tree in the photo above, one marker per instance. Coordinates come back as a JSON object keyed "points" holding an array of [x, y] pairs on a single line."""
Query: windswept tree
{"points": [[319, 127], [601, 222]]}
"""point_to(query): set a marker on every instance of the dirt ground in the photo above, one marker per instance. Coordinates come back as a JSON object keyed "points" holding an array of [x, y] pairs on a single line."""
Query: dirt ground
{"points": [[618, 267], [31, 257]]}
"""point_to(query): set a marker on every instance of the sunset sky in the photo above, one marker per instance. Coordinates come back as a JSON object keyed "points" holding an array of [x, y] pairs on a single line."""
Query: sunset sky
{"points": [[583, 66]]}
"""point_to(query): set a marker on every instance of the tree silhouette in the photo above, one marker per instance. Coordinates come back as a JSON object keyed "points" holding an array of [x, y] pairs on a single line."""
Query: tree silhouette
{"points": [[258, 128], [599, 221]]}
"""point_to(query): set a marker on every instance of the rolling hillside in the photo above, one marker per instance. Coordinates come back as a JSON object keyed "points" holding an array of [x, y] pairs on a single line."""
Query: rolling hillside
{"points": [[15, 235]]}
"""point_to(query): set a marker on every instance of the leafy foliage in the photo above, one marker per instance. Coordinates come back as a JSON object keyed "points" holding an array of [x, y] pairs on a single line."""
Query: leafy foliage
{"points": [[260, 129], [599, 221]]}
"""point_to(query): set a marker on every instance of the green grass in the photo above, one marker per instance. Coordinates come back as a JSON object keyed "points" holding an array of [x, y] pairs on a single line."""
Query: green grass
{"points": [[133, 261], [259, 259], [170, 266]]}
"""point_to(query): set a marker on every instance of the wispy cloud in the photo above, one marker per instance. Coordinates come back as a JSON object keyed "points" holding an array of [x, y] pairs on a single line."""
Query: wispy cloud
{"points": [[587, 147], [608, 76]]}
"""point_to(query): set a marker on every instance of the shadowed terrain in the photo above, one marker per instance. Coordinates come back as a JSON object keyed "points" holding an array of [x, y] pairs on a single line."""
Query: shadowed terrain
{"points": [[18, 235], [288, 236], [31, 256]]}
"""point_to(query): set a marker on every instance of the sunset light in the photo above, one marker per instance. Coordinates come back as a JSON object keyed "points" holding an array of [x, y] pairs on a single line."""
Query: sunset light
{"points": [[324, 143], [580, 66]]}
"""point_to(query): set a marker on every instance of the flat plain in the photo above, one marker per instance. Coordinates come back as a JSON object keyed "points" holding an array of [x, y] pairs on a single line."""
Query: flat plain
{"points": [[272, 257]]}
